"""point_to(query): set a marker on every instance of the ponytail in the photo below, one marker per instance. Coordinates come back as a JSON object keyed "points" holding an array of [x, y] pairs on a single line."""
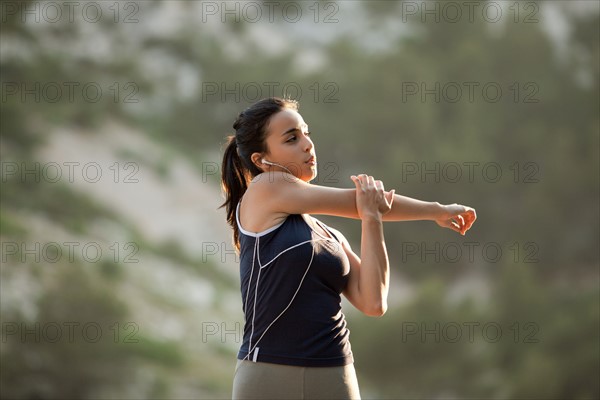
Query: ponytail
{"points": [[234, 182]]}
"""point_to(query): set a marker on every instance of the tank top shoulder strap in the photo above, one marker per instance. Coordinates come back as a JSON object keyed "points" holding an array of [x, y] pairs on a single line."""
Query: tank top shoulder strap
{"points": [[237, 214], [326, 229], [254, 234]]}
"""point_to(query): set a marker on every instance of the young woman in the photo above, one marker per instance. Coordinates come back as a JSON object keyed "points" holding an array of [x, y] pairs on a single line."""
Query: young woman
{"points": [[294, 268]]}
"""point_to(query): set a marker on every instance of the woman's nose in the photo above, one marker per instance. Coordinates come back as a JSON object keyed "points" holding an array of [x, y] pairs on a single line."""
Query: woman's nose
{"points": [[308, 144]]}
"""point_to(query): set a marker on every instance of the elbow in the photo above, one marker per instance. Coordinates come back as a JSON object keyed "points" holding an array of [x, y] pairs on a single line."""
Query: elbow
{"points": [[376, 310]]}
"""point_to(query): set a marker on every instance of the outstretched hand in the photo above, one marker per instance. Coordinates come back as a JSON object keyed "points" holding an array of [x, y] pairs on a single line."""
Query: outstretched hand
{"points": [[458, 218]]}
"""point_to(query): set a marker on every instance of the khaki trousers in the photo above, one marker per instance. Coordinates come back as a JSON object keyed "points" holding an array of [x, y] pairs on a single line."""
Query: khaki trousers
{"points": [[260, 380]]}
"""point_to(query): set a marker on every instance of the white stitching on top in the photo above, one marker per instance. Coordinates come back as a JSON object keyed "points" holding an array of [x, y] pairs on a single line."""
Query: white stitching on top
{"points": [[256, 255]]}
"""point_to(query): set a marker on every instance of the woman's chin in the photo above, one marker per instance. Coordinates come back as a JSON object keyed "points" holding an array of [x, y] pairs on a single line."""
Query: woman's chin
{"points": [[310, 176]]}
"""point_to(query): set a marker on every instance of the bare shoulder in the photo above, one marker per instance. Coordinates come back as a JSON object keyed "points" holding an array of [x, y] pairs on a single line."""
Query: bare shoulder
{"points": [[274, 189], [258, 211], [270, 181], [285, 193]]}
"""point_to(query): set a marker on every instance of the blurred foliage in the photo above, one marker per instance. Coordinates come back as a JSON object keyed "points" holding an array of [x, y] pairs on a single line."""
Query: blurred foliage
{"points": [[53, 355], [373, 127], [522, 345], [33, 196]]}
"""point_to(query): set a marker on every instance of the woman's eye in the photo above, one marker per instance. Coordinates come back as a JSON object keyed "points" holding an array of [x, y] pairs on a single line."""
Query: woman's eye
{"points": [[293, 137]]}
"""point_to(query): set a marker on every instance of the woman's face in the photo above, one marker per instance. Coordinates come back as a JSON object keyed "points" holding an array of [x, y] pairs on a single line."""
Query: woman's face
{"points": [[289, 145]]}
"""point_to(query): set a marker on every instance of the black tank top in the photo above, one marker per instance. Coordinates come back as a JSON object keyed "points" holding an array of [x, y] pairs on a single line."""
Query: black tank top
{"points": [[291, 281]]}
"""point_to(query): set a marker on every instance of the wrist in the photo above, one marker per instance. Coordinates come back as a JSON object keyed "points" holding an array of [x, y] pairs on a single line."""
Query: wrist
{"points": [[372, 217], [438, 211]]}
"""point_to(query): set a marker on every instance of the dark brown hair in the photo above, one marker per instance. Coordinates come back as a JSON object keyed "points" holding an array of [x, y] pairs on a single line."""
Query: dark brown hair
{"points": [[250, 137]]}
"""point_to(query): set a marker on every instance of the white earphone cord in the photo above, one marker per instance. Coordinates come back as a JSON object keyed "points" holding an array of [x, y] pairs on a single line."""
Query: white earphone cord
{"points": [[250, 347], [256, 256], [279, 165]]}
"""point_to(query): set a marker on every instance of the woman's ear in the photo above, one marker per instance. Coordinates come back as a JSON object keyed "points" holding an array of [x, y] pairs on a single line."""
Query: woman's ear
{"points": [[257, 160]]}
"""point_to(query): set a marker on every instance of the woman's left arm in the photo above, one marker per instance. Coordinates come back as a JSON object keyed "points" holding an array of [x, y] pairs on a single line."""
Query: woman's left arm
{"points": [[453, 216]]}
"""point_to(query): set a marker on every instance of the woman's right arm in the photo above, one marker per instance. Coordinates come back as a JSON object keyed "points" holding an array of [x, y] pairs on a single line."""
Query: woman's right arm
{"points": [[280, 192], [283, 193]]}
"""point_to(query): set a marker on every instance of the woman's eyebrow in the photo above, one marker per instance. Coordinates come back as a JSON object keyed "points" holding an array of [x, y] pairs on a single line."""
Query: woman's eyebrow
{"points": [[293, 129]]}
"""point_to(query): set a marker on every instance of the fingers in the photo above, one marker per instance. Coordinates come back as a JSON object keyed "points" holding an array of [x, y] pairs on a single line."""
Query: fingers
{"points": [[461, 224], [472, 215], [463, 218], [371, 183], [372, 193], [360, 181], [390, 197], [458, 218], [366, 182], [357, 182], [469, 217], [454, 226], [450, 224]]}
